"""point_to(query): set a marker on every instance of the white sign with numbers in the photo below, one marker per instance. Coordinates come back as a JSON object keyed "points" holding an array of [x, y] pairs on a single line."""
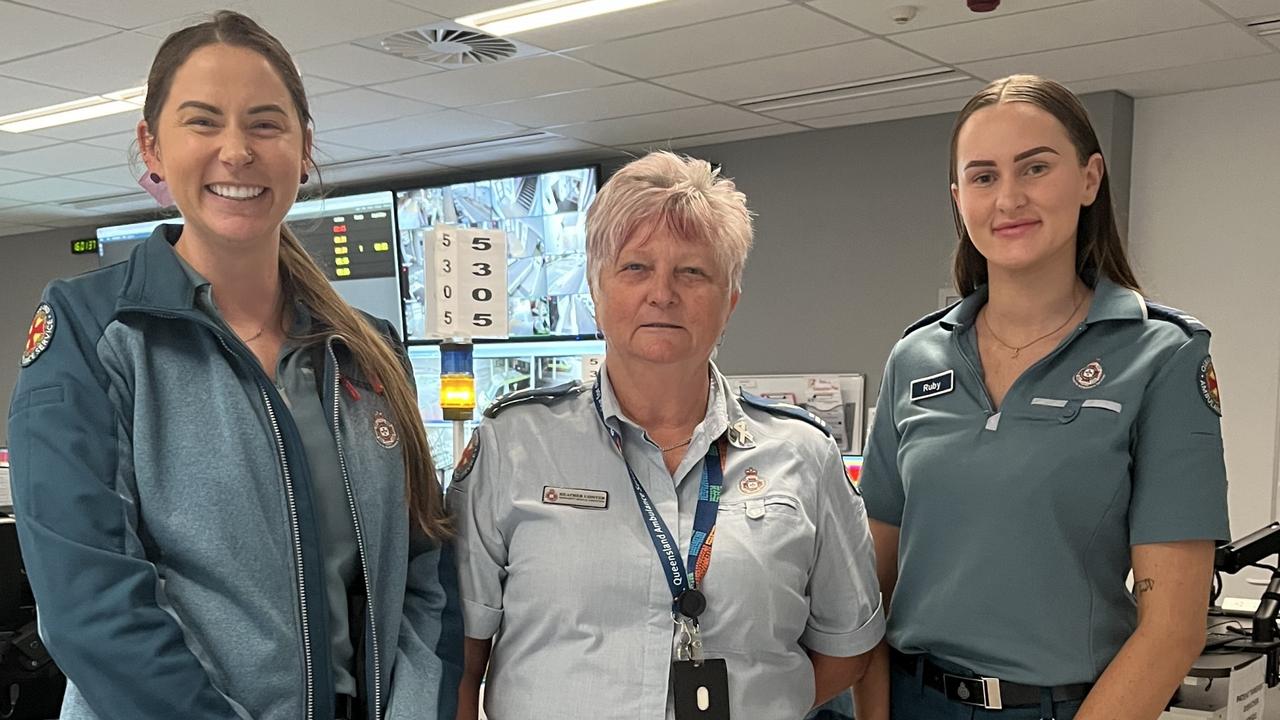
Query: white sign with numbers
{"points": [[468, 283], [591, 368]]}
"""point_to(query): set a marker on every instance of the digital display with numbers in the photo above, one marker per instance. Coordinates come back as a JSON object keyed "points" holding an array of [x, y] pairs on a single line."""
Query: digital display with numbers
{"points": [[544, 218], [352, 239], [83, 247]]}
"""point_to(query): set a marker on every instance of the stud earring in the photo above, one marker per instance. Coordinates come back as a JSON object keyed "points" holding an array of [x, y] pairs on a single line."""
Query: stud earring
{"points": [[305, 178], [155, 178]]}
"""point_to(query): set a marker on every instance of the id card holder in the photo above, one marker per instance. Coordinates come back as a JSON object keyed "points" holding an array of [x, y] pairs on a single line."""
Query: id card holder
{"points": [[701, 691]]}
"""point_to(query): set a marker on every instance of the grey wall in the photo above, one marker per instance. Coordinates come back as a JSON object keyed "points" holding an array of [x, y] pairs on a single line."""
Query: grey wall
{"points": [[853, 241], [29, 263]]}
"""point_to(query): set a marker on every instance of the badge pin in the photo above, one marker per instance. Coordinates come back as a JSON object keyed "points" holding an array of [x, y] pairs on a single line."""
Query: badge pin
{"points": [[752, 483], [39, 335], [740, 437], [1089, 376], [1208, 382], [962, 692], [384, 431]]}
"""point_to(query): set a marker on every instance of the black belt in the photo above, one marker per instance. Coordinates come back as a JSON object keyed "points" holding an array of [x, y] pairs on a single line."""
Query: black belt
{"points": [[984, 692], [347, 707]]}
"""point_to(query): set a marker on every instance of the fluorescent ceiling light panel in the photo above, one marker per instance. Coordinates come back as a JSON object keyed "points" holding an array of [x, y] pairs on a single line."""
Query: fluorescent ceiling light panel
{"points": [[544, 13], [75, 111]]}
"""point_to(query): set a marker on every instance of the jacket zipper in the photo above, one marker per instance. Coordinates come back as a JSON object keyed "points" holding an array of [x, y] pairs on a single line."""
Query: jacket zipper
{"points": [[355, 518], [295, 531]]}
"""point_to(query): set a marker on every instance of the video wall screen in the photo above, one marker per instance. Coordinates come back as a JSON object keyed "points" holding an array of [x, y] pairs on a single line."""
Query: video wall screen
{"points": [[351, 238], [499, 368], [544, 216]]}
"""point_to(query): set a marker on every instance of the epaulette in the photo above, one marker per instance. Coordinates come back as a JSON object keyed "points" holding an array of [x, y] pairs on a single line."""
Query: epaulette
{"points": [[1188, 323], [929, 319], [540, 395], [777, 407]]}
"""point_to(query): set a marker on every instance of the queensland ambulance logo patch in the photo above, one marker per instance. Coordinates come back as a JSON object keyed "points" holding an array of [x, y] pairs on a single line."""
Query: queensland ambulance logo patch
{"points": [[1089, 376], [384, 431], [468, 459], [752, 483], [40, 334], [1208, 382]]}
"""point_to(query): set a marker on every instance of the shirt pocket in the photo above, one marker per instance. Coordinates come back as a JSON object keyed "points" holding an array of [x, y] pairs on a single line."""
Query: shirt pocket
{"points": [[1067, 411]]}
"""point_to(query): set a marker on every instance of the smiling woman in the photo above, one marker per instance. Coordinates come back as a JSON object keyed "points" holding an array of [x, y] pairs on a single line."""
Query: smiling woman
{"points": [[307, 574], [1071, 443]]}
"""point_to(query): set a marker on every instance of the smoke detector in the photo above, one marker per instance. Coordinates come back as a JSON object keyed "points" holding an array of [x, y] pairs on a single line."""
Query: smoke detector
{"points": [[448, 45]]}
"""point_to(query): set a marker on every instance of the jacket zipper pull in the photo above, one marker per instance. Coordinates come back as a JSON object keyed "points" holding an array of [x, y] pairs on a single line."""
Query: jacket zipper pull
{"points": [[351, 389]]}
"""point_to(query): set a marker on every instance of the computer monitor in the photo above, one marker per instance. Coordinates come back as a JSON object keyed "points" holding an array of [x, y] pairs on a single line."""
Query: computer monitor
{"points": [[352, 238], [499, 368], [544, 216], [853, 467], [6, 497]]}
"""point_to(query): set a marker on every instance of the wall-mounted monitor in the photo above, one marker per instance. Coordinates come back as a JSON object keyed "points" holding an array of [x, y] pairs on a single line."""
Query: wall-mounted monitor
{"points": [[544, 216], [351, 238]]}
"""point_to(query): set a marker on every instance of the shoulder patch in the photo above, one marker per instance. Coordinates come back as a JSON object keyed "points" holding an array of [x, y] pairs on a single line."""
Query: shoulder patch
{"points": [[39, 335], [468, 459], [929, 319], [1188, 323], [777, 407], [542, 396]]}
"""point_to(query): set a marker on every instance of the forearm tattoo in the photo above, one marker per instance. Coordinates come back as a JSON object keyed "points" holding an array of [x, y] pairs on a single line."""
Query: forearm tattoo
{"points": [[1144, 585]]}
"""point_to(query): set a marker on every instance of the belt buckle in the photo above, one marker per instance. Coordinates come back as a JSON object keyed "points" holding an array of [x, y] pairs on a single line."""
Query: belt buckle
{"points": [[983, 692]]}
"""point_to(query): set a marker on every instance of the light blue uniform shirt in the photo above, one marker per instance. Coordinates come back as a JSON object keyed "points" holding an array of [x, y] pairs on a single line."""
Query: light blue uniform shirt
{"points": [[575, 598], [1016, 526]]}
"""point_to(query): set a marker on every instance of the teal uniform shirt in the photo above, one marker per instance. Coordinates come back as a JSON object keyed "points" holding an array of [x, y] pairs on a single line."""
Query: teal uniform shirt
{"points": [[296, 381], [1016, 525]]}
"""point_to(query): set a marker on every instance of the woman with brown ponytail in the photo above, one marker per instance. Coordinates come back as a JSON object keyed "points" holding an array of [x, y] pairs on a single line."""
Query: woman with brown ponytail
{"points": [[225, 497]]}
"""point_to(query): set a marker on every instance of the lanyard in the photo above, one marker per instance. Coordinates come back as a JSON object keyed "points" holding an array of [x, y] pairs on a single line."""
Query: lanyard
{"points": [[686, 597]]}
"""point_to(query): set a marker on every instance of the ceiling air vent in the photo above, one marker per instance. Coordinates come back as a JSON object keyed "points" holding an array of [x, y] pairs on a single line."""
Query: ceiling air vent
{"points": [[447, 45], [928, 77], [1265, 26]]}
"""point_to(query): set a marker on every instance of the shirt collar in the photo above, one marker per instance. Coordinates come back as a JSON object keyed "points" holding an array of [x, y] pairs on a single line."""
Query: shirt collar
{"points": [[1110, 302], [714, 422]]}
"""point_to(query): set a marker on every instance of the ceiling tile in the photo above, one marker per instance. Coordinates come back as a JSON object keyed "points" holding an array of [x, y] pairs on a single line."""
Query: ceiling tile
{"points": [[26, 31], [511, 80], [586, 105], [964, 89], [56, 190], [1072, 25], [13, 176], [720, 42], [1224, 73], [722, 137], [17, 142], [637, 21], [359, 106], [122, 176], [63, 158], [663, 125], [355, 65], [895, 113], [39, 214], [1245, 9], [126, 122], [397, 168], [1150, 52], [130, 13], [9, 229], [19, 96], [875, 17], [328, 153], [164, 28], [420, 131], [316, 87], [122, 142], [81, 68], [557, 148], [306, 24], [799, 71]]}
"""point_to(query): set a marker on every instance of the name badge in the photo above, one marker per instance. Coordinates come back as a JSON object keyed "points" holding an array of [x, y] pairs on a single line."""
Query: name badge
{"points": [[932, 386], [575, 497]]}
